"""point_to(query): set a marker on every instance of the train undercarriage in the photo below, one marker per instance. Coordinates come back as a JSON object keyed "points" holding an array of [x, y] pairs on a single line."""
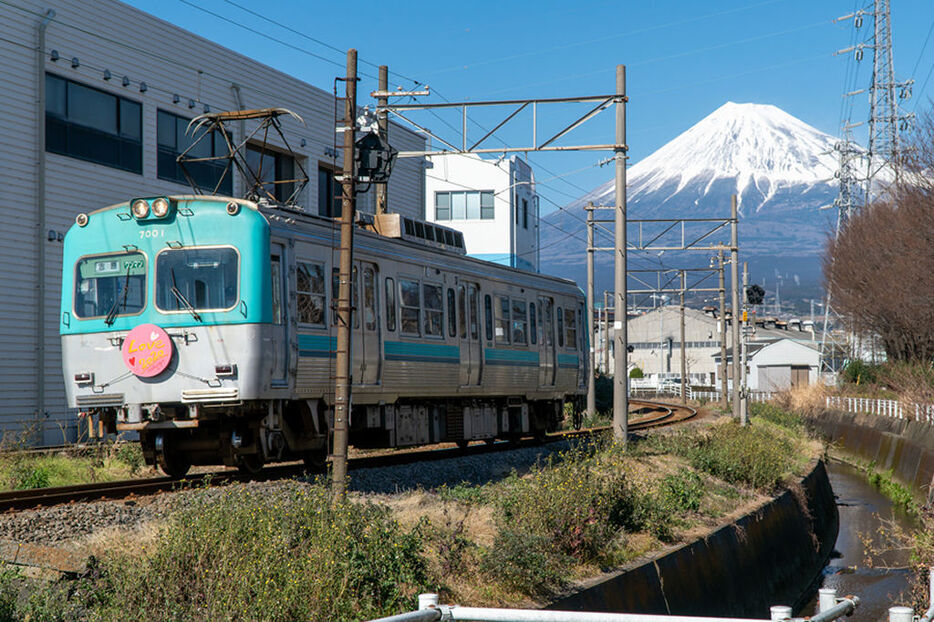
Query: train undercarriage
{"points": [[250, 435]]}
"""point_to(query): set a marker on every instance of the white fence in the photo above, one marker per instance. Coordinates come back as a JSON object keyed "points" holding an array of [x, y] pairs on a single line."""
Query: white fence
{"points": [[883, 408]]}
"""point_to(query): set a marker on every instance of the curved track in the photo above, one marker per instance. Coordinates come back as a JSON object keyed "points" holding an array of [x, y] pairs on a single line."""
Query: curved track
{"points": [[644, 415]]}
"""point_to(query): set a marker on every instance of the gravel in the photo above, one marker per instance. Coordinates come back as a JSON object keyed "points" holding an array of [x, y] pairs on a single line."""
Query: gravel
{"points": [[69, 523]]}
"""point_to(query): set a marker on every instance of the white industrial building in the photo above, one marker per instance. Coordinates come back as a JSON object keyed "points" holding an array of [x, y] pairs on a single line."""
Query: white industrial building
{"points": [[492, 201], [780, 364], [96, 97]]}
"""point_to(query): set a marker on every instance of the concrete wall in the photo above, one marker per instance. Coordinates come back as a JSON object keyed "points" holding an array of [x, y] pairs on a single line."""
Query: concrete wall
{"points": [[769, 557], [906, 447]]}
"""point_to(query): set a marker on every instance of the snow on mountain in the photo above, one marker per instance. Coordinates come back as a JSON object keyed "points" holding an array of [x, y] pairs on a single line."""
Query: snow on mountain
{"points": [[780, 168], [759, 148]]}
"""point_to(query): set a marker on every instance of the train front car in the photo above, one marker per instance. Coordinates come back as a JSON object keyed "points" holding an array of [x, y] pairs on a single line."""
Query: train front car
{"points": [[167, 326]]}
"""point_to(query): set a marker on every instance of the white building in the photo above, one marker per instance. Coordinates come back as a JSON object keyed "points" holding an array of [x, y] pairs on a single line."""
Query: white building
{"points": [[493, 202], [96, 97], [779, 364]]}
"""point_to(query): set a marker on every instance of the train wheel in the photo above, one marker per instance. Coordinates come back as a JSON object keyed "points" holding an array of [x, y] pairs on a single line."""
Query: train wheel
{"points": [[174, 463], [250, 464], [315, 460]]}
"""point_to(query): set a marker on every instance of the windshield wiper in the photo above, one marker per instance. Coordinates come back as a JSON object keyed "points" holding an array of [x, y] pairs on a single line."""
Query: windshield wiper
{"points": [[182, 300], [112, 314]]}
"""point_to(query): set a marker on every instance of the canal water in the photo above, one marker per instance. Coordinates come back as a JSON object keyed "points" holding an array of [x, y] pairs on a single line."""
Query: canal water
{"points": [[863, 510]]}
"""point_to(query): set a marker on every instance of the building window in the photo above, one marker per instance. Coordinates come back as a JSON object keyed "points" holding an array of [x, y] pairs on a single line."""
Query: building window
{"points": [[525, 213], [90, 124], [311, 293], [474, 205], [172, 141], [329, 194], [273, 173]]}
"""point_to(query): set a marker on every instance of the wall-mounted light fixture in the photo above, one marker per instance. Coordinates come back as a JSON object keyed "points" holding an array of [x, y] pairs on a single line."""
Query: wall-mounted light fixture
{"points": [[304, 142], [206, 109], [54, 55], [143, 87], [75, 63], [107, 74], [191, 103], [125, 81]]}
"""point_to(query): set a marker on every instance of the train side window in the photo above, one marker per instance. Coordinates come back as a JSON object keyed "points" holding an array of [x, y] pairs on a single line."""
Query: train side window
{"points": [[311, 293], [462, 311], [433, 299], [369, 298], [520, 322], [560, 313], [488, 311], [533, 325], [276, 290], [570, 325], [452, 313], [410, 306], [502, 319], [390, 304], [472, 304]]}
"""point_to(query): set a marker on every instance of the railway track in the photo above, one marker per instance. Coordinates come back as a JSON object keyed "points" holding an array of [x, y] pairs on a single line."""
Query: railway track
{"points": [[644, 416]]}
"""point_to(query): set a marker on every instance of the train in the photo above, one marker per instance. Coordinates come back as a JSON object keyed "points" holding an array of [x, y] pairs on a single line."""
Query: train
{"points": [[207, 325]]}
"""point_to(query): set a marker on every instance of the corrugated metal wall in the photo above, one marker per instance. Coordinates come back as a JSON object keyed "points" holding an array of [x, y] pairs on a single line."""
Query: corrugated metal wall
{"points": [[109, 35]]}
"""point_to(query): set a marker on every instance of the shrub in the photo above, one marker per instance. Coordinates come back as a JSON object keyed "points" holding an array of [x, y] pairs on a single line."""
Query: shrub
{"points": [[295, 557], [24, 475], [636, 373], [525, 562], [860, 372], [777, 415], [755, 455]]}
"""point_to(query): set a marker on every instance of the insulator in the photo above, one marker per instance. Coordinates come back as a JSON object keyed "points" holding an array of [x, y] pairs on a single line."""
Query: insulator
{"points": [[858, 22], [859, 54], [905, 93], [904, 124]]}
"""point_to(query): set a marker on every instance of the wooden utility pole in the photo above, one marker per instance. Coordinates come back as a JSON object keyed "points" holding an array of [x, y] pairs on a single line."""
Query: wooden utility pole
{"points": [[620, 340], [606, 333], [684, 395], [383, 125], [342, 378], [734, 274], [591, 371], [724, 386], [744, 403]]}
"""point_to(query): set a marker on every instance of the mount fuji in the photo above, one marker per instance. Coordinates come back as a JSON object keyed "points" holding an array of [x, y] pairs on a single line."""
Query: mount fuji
{"points": [[780, 168]]}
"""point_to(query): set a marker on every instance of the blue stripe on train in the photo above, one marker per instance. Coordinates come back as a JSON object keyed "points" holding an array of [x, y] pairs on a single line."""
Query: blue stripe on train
{"points": [[513, 358], [318, 346], [422, 352], [568, 361]]}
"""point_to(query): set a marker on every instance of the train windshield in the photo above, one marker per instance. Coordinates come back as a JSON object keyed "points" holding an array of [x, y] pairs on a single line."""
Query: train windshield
{"points": [[110, 285], [201, 279]]}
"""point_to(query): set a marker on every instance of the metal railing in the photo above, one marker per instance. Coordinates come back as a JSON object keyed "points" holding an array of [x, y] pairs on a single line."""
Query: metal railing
{"points": [[830, 607], [883, 408]]}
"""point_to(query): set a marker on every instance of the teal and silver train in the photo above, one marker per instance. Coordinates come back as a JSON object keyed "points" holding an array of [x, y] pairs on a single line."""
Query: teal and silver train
{"points": [[207, 325]]}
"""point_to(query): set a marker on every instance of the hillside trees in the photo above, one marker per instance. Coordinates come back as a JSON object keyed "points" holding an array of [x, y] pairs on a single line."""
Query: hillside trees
{"points": [[880, 268]]}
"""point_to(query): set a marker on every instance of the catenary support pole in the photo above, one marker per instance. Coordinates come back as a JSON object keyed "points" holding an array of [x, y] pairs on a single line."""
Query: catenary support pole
{"points": [[734, 274], [684, 394], [383, 125], [620, 340], [591, 371], [744, 394], [606, 333], [342, 380], [724, 386]]}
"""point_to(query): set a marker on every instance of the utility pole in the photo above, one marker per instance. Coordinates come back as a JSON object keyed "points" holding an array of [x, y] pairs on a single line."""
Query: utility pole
{"points": [[744, 395], [591, 380], [684, 395], [606, 333], [620, 338], [383, 125], [342, 377], [734, 274], [722, 290]]}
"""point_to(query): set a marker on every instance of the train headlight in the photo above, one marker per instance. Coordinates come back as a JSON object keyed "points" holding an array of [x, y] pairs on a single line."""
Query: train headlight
{"points": [[140, 208], [81, 219], [160, 207]]}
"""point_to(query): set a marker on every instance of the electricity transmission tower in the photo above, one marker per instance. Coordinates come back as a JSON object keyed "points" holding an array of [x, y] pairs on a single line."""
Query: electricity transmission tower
{"points": [[884, 151]]}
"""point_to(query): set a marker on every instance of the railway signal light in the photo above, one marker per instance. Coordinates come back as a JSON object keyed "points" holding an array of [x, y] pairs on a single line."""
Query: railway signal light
{"points": [[755, 294]]}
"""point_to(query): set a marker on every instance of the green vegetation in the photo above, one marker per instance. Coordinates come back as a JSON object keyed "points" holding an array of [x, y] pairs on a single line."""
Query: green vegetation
{"points": [[884, 482], [635, 372], [232, 553], [21, 470]]}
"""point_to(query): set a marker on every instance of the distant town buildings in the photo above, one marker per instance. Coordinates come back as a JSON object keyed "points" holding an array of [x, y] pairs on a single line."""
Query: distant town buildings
{"points": [[492, 201]]}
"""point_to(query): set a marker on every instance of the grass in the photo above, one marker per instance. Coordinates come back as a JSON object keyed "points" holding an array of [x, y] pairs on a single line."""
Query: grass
{"points": [[21, 470], [234, 554]]}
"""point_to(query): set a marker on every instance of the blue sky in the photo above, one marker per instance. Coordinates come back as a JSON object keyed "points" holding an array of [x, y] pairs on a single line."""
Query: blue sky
{"points": [[684, 59]]}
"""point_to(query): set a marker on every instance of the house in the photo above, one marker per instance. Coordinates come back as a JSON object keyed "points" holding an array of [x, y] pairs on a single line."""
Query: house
{"points": [[492, 201], [779, 364], [97, 97]]}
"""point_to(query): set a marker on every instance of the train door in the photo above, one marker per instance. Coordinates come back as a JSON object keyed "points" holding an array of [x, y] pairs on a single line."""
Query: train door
{"points": [[468, 306], [279, 338], [546, 317], [367, 332]]}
